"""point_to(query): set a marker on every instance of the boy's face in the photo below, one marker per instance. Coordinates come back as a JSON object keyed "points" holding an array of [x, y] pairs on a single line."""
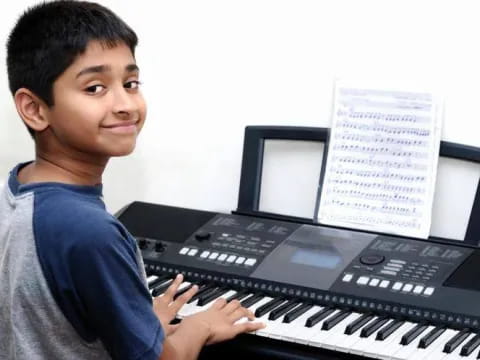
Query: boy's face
{"points": [[98, 109]]}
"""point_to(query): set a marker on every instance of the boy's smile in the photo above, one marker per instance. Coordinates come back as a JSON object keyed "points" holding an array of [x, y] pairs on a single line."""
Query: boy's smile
{"points": [[98, 109]]}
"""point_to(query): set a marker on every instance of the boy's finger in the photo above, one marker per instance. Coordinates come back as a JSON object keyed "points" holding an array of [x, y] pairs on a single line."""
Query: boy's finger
{"points": [[172, 289], [219, 304], [240, 313], [249, 326], [232, 306], [182, 299]]}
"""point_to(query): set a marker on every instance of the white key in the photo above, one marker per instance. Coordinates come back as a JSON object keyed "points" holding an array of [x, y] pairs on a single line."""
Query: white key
{"points": [[349, 340], [406, 351], [319, 335], [253, 308], [269, 324], [297, 325], [337, 335], [438, 352], [363, 344], [305, 333], [185, 308], [394, 344], [473, 354], [151, 279], [281, 329], [383, 348], [432, 350], [455, 354]]}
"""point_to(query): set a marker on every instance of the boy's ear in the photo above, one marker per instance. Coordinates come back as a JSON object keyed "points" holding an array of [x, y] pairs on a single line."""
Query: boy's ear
{"points": [[31, 109]]}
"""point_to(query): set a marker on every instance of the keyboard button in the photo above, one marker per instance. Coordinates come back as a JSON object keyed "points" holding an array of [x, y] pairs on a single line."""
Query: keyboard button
{"points": [[428, 291], [363, 280], [397, 286], [384, 284], [418, 289], [213, 256], [240, 260]]}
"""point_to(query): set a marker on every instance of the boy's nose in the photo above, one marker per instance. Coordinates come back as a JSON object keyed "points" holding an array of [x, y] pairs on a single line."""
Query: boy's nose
{"points": [[123, 102]]}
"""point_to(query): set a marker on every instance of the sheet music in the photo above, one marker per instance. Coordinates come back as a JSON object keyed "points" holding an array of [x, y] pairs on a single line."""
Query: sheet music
{"points": [[382, 161]]}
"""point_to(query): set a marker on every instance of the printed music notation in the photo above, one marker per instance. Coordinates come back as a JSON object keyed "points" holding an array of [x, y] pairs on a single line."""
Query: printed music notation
{"points": [[382, 161]]}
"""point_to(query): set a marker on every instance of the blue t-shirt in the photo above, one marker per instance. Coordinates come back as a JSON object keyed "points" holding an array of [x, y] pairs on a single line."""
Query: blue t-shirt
{"points": [[72, 283]]}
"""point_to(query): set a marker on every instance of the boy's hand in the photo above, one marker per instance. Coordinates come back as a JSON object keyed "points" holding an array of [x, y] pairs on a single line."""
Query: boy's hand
{"points": [[220, 321], [166, 308]]}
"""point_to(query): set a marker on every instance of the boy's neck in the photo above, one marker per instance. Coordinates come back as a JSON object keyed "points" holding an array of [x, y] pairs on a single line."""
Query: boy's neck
{"points": [[61, 170]]}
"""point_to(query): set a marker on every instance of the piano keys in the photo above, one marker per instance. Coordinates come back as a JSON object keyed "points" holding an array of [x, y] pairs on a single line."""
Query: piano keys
{"points": [[342, 330]]}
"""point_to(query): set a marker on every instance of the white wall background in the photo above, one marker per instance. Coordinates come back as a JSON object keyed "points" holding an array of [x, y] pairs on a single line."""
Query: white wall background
{"points": [[211, 67]]}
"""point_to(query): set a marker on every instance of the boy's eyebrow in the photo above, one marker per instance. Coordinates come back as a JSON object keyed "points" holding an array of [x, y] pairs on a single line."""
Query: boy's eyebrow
{"points": [[105, 68]]}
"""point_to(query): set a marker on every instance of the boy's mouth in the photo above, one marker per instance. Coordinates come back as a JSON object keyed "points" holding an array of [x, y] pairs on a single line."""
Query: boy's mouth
{"points": [[122, 126]]}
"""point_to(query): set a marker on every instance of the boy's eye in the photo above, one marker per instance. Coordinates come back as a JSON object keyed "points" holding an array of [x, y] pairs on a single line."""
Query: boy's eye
{"points": [[135, 84], [94, 89]]}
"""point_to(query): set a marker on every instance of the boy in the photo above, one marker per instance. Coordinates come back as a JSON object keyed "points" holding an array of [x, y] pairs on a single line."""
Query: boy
{"points": [[72, 284]]}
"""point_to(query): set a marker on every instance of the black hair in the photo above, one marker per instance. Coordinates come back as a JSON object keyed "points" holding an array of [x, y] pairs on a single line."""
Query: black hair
{"points": [[49, 36]]}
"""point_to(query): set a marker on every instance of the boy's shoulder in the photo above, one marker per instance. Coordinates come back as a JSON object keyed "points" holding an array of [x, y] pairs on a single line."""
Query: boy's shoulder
{"points": [[69, 215]]}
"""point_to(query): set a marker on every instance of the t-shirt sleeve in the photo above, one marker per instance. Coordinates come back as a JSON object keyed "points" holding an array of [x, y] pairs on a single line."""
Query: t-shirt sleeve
{"points": [[97, 283], [117, 303]]}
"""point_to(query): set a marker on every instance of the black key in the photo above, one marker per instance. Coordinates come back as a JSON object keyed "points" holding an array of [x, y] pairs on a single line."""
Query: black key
{"points": [[471, 345], [388, 330], [412, 334], [204, 300], [203, 288], [335, 319], [251, 300], [295, 313], [373, 326], [180, 292], [267, 307], [160, 289], [283, 309], [160, 279], [239, 295], [431, 337], [358, 323], [453, 343], [319, 316]]}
